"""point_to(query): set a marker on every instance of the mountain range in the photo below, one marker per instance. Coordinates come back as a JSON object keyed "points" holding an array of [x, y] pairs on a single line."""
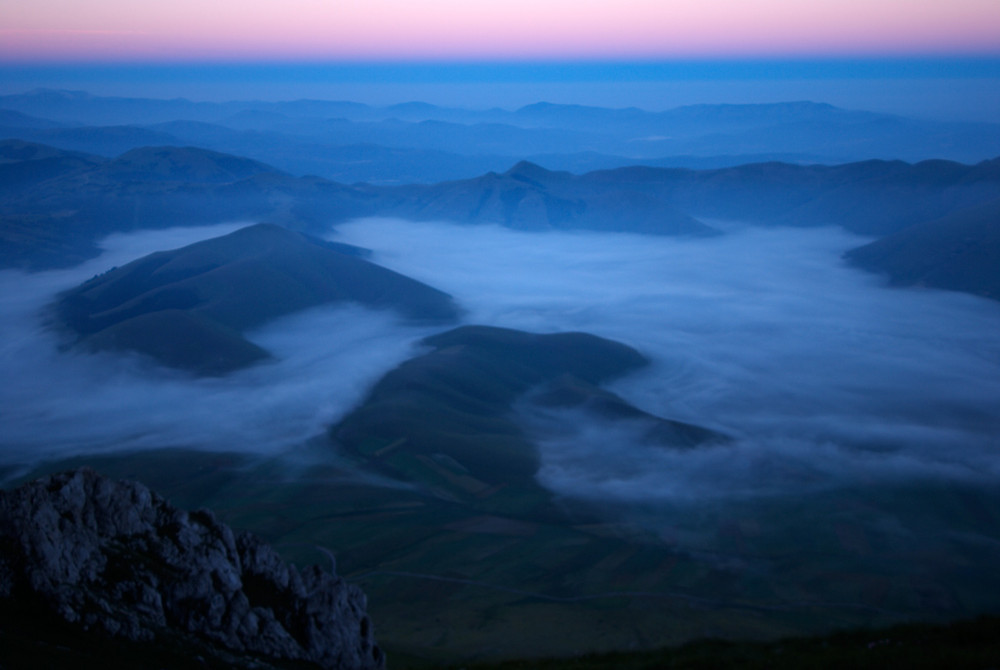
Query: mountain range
{"points": [[421, 143], [522, 492], [55, 204]]}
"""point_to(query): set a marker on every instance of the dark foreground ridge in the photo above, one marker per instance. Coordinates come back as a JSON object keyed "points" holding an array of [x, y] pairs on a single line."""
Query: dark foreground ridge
{"points": [[972, 644], [85, 558]]}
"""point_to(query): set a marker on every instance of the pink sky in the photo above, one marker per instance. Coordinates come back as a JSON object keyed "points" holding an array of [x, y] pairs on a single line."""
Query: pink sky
{"points": [[49, 30]]}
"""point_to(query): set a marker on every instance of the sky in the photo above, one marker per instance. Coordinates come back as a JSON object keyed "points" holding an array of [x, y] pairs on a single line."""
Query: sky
{"points": [[914, 56], [185, 30]]}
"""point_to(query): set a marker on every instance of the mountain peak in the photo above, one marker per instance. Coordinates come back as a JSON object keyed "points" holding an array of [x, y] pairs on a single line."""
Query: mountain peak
{"points": [[529, 170]]}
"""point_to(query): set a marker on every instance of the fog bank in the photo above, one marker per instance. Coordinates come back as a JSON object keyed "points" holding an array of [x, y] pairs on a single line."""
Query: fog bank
{"points": [[66, 402], [821, 374]]}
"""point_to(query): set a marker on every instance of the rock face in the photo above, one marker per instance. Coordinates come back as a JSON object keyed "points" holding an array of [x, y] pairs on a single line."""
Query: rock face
{"points": [[116, 559]]}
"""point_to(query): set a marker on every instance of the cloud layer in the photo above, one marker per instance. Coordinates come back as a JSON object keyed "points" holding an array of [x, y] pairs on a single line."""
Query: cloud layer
{"points": [[822, 374]]}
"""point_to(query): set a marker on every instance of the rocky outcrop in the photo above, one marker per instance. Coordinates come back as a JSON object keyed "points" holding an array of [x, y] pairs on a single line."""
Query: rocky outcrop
{"points": [[118, 560]]}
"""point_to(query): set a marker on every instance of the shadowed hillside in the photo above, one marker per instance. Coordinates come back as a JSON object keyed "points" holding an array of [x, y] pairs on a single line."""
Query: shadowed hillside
{"points": [[960, 252], [186, 308], [530, 197], [58, 219], [447, 418]]}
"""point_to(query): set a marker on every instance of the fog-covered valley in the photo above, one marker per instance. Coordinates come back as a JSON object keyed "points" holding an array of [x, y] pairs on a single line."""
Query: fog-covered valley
{"points": [[652, 405], [821, 372]]}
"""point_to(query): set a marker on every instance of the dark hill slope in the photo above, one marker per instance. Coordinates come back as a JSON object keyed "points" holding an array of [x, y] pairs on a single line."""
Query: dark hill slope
{"points": [[447, 419], [960, 252], [25, 164], [57, 222], [870, 198], [186, 308]]}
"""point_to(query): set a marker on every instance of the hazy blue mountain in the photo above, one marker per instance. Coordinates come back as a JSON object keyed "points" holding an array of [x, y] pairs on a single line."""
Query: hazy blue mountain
{"points": [[24, 164], [102, 140], [58, 221], [377, 163], [870, 197], [530, 197], [182, 164], [960, 252], [187, 308], [346, 163], [808, 129], [583, 162], [14, 121], [155, 187], [434, 134], [80, 107]]}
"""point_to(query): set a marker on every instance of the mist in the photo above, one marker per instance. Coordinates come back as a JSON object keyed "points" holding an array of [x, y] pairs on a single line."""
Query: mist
{"points": [[65, 402], [821, 374]]}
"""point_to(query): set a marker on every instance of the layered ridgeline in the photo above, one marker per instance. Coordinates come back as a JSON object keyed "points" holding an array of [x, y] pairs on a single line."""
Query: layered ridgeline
{"points": [[103, 573], [64, 202], [57, 218], [188, 308], [457, 418], [421, 143], [529, 197], [153, 186]]}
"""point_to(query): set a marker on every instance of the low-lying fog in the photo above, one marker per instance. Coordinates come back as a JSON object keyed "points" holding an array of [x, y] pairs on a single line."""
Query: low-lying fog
{"points": [[821, 373], [61, 403]]}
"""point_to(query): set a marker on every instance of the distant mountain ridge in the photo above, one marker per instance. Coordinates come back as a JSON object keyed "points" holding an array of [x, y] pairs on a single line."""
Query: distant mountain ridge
{"points": [[55, 204], [183, 164], [77, 202], [305, 136], [530, 197]]}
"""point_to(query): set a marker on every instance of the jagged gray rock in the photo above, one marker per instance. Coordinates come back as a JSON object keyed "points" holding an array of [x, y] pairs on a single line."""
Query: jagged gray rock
{"points": [[117, 559]]}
